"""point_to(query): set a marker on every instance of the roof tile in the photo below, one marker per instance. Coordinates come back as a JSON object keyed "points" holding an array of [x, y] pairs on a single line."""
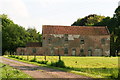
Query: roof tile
{"points": [[82, 30]]}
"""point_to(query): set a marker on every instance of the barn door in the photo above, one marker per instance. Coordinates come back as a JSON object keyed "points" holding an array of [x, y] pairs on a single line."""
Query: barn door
{"points": [[98, 52], [73, 52]]}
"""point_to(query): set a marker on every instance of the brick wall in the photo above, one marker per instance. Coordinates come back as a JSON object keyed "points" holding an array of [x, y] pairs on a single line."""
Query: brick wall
{"points": [[80, 45]]}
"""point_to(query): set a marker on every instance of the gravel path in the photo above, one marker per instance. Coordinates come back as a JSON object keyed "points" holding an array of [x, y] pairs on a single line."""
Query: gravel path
{"points": [[39, 71]]}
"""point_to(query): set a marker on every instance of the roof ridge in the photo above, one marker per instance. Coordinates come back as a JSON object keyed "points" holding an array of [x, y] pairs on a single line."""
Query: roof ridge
{"points": [[83, 30], [73, 26]]}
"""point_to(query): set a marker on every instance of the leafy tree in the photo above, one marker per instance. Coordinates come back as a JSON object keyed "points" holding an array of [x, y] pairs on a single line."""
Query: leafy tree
{"points": [[33, 35], [113, 25], [117, 28], [89, 20], [14, 36]]}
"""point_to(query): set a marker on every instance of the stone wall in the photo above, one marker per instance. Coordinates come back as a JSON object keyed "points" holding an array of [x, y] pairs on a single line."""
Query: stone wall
{"points": [[70, 45], [79, 45], [21, 51]]}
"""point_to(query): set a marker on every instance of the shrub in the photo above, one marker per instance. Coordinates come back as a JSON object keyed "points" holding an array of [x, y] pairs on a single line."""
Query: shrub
{"points": [[33, 60], [21, 58], [114, 74], [59, 63], [42, 62], [17, 57], [12, 56]]}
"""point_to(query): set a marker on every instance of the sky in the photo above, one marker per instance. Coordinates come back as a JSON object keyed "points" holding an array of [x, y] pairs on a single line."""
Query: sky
{"points": [[35, 13]]}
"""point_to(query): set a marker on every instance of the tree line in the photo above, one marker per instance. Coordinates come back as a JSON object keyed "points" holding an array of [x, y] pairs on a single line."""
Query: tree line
{"points": [[113, 24], [14, 35]]}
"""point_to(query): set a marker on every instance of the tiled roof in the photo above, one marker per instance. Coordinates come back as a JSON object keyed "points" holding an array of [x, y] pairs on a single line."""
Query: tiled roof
{"points": [[33, 44], [82, 30]]}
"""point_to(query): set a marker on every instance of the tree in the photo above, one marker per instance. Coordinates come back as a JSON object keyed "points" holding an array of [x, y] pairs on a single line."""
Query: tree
{"points": [[113, 25], [14, 36], [33, 35], [89, 20], [117, 28]]}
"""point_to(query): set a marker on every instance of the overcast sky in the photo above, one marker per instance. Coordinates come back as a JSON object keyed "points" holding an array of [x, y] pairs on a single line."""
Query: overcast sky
{"points": [[35, 13]]}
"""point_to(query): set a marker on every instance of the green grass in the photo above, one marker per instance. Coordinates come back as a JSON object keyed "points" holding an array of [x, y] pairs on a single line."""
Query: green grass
{"points": [[8, 72], [100, 67]]}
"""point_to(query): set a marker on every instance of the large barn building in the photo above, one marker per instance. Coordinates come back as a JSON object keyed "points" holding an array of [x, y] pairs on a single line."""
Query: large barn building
{"points": [[72, 41]]}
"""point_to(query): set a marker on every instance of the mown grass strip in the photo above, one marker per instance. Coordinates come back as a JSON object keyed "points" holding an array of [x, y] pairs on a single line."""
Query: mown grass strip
{"points": [[10, 72], [91, 72]]}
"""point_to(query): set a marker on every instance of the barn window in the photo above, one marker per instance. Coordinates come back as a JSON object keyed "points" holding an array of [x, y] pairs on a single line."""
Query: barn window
{"points": [[49, 40], [43, 37], [73, 52], [103, 41], [66, 37], [34, 50], [65, 51], [89, 52], [82, 52], [82, 41]]}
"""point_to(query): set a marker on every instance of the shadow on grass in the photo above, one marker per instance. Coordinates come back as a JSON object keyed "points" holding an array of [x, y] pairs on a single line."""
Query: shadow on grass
{"points": [[111, 73]]}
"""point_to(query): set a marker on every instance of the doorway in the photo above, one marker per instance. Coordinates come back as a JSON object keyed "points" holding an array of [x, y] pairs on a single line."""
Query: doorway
{"points": [[73, 52]]}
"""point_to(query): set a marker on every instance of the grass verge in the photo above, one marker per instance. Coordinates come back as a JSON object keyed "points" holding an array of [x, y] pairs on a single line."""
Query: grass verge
{"points": [[69, 69], [8, 72]]}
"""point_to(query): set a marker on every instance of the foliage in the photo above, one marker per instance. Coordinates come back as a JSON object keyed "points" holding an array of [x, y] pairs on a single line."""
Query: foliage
{"points": [[9, 72], [42, 62], [59, 63], [106, 67], [113, 25], [33, 35], [14, 36], [33, 60], [88, 20]]}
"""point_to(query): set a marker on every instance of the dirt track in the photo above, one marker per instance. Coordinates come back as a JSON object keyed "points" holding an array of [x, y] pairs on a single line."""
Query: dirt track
{"points": [[40, 72]]}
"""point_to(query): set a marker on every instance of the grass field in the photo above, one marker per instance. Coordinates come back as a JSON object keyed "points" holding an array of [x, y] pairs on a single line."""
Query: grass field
{"points": [[8, 72], [105, 67]]}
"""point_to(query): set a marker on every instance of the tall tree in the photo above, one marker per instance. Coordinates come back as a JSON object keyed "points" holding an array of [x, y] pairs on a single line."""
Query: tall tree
{"points": [[33, 35], [117, 28], [14, 36], [89, 20]]}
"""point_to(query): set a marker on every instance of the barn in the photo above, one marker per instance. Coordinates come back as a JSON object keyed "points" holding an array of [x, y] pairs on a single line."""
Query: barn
{"points": [[72, 41]]}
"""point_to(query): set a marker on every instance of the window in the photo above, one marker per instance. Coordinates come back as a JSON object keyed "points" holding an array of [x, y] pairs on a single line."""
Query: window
{"points": [[89, 52], [49, 40], [103, 41], [82, 52], [82, 41], [43, 37], [34, 50], [66, 37], [65, 51], [73, 52]]}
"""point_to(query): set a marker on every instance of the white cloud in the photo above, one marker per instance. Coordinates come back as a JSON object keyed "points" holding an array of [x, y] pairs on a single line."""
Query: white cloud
{"points": [[35, 13], [14, 8]]}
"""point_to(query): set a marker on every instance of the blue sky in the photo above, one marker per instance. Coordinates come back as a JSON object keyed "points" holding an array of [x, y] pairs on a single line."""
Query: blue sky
{"points": [[35, 13]]}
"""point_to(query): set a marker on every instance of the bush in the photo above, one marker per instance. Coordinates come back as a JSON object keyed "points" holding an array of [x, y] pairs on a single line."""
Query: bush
{"points": [[33, 60], [114, 74], [42, 62], [12, 56], [17, 57], [59, 63], [21, 58]]}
